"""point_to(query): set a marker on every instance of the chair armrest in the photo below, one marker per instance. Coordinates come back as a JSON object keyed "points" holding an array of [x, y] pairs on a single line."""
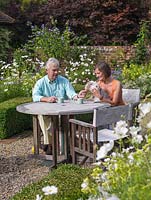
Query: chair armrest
{"points": [[81, 123], [133, 105]]}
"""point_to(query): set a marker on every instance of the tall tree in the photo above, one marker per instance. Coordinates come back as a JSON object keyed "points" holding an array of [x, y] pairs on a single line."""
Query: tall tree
{"points": [[104, 21]]}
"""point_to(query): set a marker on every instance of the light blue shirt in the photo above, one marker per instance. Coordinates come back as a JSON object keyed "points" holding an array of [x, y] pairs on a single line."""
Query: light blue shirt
{"points": [[60, 87]]}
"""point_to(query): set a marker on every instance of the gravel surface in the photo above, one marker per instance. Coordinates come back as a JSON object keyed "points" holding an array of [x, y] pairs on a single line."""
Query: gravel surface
{"points": [[18, 166]]}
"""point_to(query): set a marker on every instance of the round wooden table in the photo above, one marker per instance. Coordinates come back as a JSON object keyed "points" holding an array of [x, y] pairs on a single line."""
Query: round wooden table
{"points": [[69, 107]]}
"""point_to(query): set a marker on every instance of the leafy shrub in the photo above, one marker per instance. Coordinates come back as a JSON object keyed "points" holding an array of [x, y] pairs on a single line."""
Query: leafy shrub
{"points": [[19, 77], [13, 122], [125, 172], [5, 37], [136, 72], [137, 76], [141, 44], [79, 70]]}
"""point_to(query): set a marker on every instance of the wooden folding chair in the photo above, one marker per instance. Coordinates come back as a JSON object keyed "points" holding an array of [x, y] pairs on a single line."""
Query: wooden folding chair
{"points": [[132, 96], [85, 137]]}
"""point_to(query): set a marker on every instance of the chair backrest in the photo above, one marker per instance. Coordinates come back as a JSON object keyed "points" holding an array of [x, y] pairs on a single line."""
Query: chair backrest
{"points": [[131, 95], [111, 115]]}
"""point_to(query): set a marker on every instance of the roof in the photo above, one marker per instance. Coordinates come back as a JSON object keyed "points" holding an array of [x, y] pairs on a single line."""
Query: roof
{"points": [[4, 18]]}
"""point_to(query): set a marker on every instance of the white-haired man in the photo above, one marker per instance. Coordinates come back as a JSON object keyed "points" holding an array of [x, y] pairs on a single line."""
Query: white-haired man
{"points": [[48, 89]]}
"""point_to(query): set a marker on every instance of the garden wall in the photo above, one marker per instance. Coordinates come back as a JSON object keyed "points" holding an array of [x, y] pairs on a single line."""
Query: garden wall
{"points": [[115, 54]]}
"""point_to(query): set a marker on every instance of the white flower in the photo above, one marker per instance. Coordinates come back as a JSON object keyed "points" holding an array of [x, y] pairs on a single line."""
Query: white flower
{"points": [[38, 197], [104, 176], [103, 192], [121, 128], [86, 64], [146, 137], [127, 149], [85, 183], [114, 154], [115, 166], [102, 152], [50, 190], [113, 197], [25, 56], [145, 108], [107, 160], [96, 163], [131, 158], [134, 130], [137, 139], [149, 125]]}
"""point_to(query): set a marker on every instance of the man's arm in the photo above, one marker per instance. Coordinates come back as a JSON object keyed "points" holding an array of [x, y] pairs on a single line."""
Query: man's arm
{"points": [[37, 92], [70, 90]]}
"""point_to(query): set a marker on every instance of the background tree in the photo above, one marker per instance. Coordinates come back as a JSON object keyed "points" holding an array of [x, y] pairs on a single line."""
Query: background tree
{"points": [[105, 22]]}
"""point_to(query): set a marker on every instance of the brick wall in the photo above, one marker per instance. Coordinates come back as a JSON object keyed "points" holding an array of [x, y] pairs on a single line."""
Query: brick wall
{"points": [[115, 53]]}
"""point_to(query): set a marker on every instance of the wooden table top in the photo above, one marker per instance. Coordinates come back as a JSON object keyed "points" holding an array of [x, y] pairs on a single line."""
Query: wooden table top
{"points": [[69, 107]]}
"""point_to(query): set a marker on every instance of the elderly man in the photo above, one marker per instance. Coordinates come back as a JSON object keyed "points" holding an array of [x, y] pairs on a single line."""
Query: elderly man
{"points": [[48, 89]]}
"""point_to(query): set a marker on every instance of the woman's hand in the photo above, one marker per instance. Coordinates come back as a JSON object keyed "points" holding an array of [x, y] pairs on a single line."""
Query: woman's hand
{"points": [[96, 93], [82, 93]]}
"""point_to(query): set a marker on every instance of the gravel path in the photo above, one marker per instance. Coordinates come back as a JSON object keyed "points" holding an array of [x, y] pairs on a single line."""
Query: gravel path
{"points": [[18, 166]]}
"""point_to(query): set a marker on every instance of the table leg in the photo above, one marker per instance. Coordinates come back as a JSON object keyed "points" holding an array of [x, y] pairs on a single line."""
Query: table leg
{"points": [[36, 134], [66, 135], [54, 139]]}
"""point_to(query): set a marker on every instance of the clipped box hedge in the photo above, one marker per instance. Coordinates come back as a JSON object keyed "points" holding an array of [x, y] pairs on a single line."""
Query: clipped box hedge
{"points": [[11, 121]]}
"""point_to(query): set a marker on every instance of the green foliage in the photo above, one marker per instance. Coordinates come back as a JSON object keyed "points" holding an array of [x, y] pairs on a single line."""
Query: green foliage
{"points": [[26, 3], [79, 70], [46, 42], [137, 72], [125, 172], [49, 42], [132, 72], [67, 178], [5, 37], [3, 3], [10, 85], [142, 82], [13, 122], [133, 181], [28, 63], [137, 76], [8, 91], [141, 44]]}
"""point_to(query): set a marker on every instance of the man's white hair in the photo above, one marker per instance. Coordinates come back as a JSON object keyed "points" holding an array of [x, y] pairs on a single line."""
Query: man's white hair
{"points": [[52, 61]]}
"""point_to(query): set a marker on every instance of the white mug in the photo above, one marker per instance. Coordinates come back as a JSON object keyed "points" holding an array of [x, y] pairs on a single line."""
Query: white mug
{"points": [[80, 101], [60, 100]]}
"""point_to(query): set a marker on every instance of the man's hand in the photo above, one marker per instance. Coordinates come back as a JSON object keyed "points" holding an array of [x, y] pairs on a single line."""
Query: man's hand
{"points": [[51, 99]]}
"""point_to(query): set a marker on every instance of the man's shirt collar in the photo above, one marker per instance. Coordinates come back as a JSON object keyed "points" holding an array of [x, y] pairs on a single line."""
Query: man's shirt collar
{"points": [[51, 81]]}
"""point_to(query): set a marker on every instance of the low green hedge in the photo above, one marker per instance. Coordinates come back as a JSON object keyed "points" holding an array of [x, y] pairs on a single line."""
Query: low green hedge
{"points": [[11, 121], [67, 178]]}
